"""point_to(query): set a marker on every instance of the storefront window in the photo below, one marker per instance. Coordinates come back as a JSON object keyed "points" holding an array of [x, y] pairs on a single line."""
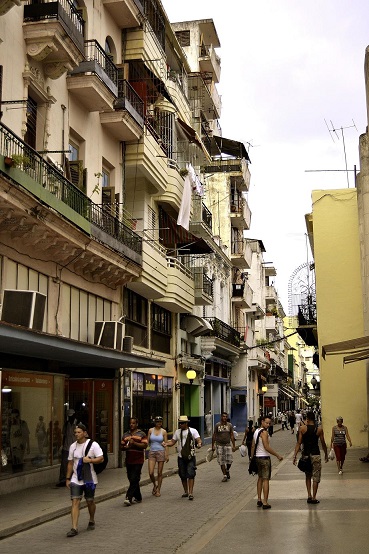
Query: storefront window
{"points": [[27, 423], [152, 396]]}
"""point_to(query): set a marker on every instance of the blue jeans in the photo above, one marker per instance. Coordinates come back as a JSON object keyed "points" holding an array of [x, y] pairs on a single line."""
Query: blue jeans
{"points": [[134, 476]]}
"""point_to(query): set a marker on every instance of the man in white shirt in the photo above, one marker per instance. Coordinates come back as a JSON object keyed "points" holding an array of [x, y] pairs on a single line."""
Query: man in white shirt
{"points": [[81, 476], [186, 439]]}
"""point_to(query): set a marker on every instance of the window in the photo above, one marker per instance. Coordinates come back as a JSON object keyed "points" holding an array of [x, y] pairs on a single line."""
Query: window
{"points": [[183, 38], [136, 311], [30, 136], [161, 328], [105, 178], [73, 152]]}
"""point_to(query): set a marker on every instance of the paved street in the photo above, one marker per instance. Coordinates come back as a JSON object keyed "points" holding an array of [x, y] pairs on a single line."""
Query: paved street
{"points": [[223, 516]]}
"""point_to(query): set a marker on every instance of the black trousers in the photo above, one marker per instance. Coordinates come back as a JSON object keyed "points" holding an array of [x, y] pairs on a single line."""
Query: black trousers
{"points": [[134, 476]]}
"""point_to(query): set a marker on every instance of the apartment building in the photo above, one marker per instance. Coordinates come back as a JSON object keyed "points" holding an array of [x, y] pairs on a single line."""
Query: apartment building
{"points": [[114, 283]]}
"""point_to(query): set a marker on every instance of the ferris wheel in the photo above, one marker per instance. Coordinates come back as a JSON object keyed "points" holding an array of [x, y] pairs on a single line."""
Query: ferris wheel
{"points": [[301, 291]]}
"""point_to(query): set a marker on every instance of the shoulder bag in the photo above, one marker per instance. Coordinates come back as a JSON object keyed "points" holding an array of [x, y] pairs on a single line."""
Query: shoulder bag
{"points": [[253, 466]]}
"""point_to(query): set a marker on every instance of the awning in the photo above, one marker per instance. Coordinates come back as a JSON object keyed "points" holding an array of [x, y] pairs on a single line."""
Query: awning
{"points": [[361, 345], [175, 237], [196, 325], [284, 391], [20, 341], [221, 145], [189, 132], [304, 401]]}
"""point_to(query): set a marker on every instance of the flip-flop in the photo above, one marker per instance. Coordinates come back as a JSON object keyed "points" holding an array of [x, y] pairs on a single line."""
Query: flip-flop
{"points": [[154, 490], [157, 493], [313, 501]]}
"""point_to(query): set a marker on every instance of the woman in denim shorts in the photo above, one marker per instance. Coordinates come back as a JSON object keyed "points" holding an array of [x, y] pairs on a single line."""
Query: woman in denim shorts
{"points": [[157, 454]]}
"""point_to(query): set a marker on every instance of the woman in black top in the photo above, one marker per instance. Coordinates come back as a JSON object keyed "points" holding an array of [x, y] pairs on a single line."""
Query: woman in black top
{"points": [[248, 436]]}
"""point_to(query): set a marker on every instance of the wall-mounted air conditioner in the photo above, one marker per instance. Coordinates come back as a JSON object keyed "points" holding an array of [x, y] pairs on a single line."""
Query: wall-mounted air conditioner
{"points": [[109, 334], [240, 398], [24, 307]]}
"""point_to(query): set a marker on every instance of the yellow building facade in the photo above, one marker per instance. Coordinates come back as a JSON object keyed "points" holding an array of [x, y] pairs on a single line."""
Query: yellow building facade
{"points": [[333, 229]]}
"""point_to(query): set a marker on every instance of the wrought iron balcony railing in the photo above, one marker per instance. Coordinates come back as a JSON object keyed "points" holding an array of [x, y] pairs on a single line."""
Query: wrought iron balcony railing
{"points": [[223, 331], [127, 93], [94, 52], [52, 180], [64, 11]]}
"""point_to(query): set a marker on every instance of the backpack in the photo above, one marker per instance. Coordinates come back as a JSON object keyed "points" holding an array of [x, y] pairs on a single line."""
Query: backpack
{"points": [[102, 465]]}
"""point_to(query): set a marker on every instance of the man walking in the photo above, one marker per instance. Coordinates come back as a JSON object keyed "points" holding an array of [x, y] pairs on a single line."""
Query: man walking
{"points": [[221, 440], [81, 477], [262, 449], [187, 438], [309, 436], [134, 443]]}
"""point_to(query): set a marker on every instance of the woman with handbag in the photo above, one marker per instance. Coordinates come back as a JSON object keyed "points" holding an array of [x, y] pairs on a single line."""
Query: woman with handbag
{"points": [[309, 436], [338, 442]]}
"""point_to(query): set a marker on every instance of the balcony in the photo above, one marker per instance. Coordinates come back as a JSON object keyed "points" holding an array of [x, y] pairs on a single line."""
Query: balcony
{"points": [[271, 324], [53, 32], [240, 213], [125, 13], [242, 295], [223, 338], [6, 5], [241, 253], [126, 122], [146, 159], [270, 294], [204, 96], [179, 296], [27, 168], [201, 220], [257, 359], [95, 81], [203, 288], [153, 280], [239, 169], [209, 61]]}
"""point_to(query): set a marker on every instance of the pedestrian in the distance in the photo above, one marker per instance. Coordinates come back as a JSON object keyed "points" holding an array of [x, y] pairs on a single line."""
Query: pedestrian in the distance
{"points": [[292, 421], [284, 421], [134, 443], [262, 454], [248, 436], [221, 441], [338, 442], [186, 438], [81, 477], [308, 437], [158, 453]]}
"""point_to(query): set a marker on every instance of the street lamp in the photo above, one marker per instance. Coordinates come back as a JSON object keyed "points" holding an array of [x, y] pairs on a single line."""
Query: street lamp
{"points": [[191, 375]]}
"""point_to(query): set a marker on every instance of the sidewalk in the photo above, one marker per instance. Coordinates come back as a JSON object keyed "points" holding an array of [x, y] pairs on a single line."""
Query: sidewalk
{"points": [[25, 509], [22, 510]]}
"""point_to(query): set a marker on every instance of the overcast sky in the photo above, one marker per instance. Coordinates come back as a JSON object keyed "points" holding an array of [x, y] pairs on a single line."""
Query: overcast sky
{"points": [[288, 65]]}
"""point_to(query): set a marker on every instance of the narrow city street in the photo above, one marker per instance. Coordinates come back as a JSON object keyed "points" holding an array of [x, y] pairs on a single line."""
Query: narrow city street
{"points": [[223, 516]]}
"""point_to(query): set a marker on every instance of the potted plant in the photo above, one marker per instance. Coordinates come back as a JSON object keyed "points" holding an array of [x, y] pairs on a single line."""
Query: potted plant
{"points": [[9, 161]]}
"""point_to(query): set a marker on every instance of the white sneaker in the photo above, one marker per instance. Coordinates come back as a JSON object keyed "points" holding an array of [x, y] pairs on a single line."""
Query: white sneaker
{"points": [[340, 472], [127, 502]]}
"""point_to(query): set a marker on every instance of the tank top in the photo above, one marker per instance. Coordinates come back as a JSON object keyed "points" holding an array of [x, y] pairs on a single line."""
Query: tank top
{"points": [[339, 435], [249, 435], [260, 450], [155, 442], [310, 441]]}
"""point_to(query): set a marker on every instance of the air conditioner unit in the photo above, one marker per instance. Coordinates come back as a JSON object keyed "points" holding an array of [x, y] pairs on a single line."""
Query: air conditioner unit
{"points": [[240, 398], [128, 344], [24, 307], [109, 334]]}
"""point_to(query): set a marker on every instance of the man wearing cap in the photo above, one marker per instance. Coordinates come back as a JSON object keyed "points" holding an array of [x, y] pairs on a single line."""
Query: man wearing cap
{"points": [[68, 438], [81, 476], [186, 438]]}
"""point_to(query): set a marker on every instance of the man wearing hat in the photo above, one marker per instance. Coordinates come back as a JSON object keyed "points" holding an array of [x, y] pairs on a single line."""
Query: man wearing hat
{"points": [[68, 439], [186, 439]]}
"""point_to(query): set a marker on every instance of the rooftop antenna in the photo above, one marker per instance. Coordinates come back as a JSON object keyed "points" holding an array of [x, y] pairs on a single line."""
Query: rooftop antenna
{"points": [[334, 130], [250, 145]]}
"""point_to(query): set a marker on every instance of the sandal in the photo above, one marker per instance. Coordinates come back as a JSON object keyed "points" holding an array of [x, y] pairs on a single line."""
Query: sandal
{"points": [[157, 493], [154, 490], [185, 495], [190, 497], [314, 501]]}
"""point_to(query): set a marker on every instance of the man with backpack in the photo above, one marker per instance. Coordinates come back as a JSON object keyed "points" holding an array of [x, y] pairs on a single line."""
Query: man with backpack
{"points": [[187, 438], [81, 479], [134, 444]]}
